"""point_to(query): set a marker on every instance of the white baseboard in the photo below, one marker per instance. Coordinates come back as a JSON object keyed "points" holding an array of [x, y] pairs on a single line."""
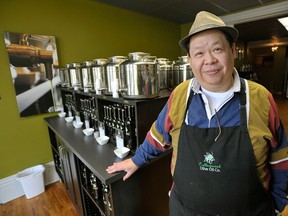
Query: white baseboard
{"points": [[11, 189], [50, 174]]}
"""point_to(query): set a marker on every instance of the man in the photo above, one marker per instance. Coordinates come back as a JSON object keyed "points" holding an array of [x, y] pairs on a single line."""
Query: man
{"points": [[230, 151]]}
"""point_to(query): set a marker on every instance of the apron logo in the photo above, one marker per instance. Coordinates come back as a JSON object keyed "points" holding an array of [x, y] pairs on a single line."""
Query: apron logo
{"points": [[209, 158], [207, 164]]}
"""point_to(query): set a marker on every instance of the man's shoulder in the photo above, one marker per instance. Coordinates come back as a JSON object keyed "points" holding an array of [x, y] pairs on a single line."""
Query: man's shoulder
{"points": [[182, 87], [177, 101], [257, 90], [259, 99]]}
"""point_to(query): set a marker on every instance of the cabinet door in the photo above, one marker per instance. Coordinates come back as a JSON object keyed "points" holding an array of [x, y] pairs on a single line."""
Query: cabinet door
{"points": [[70, 176], [75, 182], [145, 193]]}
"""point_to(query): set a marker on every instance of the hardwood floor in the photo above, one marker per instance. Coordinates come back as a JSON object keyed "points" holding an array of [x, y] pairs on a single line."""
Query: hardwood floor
{"points": [[53, 202]]}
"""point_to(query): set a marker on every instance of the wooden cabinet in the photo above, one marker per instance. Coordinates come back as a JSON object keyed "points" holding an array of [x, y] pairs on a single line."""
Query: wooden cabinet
{"points": [[144, 193], [65, 165], [81, 162], [70, 174]]}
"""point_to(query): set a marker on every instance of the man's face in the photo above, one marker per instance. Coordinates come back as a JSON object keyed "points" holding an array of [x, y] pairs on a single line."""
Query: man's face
{"points": [[212, 60]]}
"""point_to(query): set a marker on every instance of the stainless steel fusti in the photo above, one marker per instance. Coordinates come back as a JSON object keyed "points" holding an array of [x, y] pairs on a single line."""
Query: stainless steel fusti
{"points": [[139, 77], [86, 73], [75, 75], [181, 71], [163, 68], [99, 75], [112, 70]]}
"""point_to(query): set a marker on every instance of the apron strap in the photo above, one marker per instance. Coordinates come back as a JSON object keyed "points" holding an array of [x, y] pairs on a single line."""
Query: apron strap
{"points": [[189, 101], [243, 104]]}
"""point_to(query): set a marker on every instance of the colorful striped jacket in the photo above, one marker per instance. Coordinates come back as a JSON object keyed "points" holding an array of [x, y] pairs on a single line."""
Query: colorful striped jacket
{"points": [[266, 131]]}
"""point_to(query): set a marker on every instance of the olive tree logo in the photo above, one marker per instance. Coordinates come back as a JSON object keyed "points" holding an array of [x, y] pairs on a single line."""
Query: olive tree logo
{"points": [[207, 164], [209, 158]]}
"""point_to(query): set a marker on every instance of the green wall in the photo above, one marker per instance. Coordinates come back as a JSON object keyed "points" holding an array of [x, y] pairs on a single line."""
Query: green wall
{"points": [[84, 30], [184, 30]]}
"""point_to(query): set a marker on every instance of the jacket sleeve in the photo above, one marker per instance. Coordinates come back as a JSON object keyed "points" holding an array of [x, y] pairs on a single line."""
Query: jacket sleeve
{"points": [[157, 139], [278, 159]]}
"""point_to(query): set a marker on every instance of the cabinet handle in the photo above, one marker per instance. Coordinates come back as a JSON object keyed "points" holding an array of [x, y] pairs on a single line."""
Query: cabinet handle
{"points": [[63, 153], [63, 157]]}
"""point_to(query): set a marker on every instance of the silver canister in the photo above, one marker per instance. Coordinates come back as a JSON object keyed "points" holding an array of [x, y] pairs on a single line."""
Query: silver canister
{"points": [[64, 77], [75, 76], [99, 75], [86, 73], [181, 71], [163, 68], [173, 75], [141, 79], [113, 72]]}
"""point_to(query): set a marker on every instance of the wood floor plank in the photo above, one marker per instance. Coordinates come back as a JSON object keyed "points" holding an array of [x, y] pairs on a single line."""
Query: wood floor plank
{"points": [[53, 202]]}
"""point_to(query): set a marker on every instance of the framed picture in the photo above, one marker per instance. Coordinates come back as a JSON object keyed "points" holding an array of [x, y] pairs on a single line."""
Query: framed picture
{"points": [[33, 66]]}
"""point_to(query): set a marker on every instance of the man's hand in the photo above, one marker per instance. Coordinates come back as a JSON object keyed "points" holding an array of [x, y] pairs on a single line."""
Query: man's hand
{"points": [[127, 165]]}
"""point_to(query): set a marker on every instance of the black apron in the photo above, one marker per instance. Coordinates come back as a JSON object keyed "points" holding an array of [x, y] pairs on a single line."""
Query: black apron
{"points": [[218, 177]]}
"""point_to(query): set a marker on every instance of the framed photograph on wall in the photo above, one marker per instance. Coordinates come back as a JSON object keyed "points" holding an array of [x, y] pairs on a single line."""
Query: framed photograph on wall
{"points": [[33, 65]]}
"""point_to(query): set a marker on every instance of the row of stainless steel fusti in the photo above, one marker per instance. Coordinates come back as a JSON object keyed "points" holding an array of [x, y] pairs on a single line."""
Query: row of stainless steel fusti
{"points": [[139, 75]]}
